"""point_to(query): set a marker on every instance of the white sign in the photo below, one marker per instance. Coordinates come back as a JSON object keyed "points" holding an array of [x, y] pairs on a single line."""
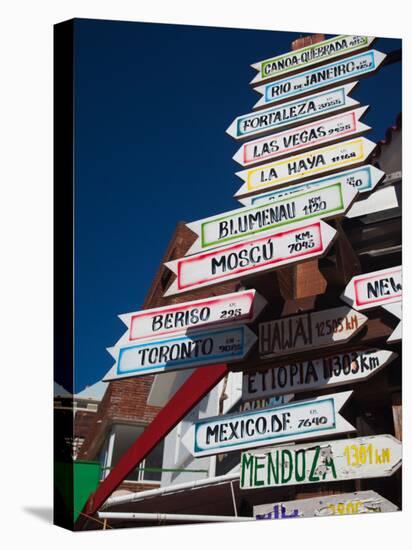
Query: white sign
{"points": [[201, 347], [363, 179], [374, 289], [293, 112], [249, 257], [326, 372], [323, 202], [313, 54], [339, 460], [303, 137], [337, 72], [382, 199], [225, 309], [395, 309], [297, 167], [362, 502], [289, 335], [297, 420]]}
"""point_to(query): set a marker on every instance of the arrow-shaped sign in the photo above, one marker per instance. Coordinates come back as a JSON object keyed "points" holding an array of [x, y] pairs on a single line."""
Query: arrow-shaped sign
{"points": [[230, 308], [326, 372], [374, 289], [297, 167], [296, 333], [197, 348], [293, 112], [297, 420], [323, 202], [363, 179], [395, 309], [346, 69], [382, 199], [251, 256], [339, 460], [302, 137], [314, 54], [361, 502]]}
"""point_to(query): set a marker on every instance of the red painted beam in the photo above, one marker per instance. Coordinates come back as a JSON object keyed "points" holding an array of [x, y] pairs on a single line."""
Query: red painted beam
{"points": [[192, 391]]}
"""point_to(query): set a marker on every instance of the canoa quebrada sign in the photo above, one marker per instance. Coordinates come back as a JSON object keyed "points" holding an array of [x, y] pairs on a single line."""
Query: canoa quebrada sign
{"points": [[339, 460], [251, 256]]}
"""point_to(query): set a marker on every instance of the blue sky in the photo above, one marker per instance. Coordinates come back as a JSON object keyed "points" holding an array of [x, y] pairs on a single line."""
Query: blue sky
{"points": [[152, 103]]}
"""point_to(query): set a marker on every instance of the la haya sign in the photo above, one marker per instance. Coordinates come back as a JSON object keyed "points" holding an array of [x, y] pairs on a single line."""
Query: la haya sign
{"points": [[326, 372], [363, 179], [374, 289], [296, 420], [302, 137], [293, 112], [202, 347], [297, 167], [339, 460], [323, 202], [307, 331], [296, 60], [349, 68], [250, 256]]}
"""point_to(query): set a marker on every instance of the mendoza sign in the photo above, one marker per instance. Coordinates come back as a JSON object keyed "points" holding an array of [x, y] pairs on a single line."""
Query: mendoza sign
{"points": [[340, 71], [297, 420], [374, 289], [314, 54]]}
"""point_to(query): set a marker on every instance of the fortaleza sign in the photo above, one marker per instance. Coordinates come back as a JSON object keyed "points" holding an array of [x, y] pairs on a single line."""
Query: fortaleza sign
{"points": [[361, 502], [374, 289], [181, 352], [339, 460], [297, 333], [326, 372], [349, 68], [297, 167], [225, 309], [323, 202], [302, 137], [297, 420], [293, 112], [280, 65], [363, 179], [249, 257]]}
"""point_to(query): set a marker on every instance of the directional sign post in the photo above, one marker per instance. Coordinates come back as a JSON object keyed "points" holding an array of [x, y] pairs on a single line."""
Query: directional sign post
{"points": [[297, 167], [374, 289], [293, 112], [180, 352], [326, 372], [297, 333], [252, 256], [339, 460], [362, 502], [302, 137], [363, 179], [341, 71], [231, 308], [296, 60], [323, 202], [297, 420]]}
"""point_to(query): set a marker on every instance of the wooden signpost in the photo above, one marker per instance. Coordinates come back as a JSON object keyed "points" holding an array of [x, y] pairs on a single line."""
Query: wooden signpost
{"points": [[307, 331], [297, 420], [339, 460], [326, 372], [363, 179], [231, 308], [195, 348], [293, 112], [322, 202], [307, 136], [312, 163], [349, 68], [361, 502], [314, 54], [374, 289], [252, 256]]}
